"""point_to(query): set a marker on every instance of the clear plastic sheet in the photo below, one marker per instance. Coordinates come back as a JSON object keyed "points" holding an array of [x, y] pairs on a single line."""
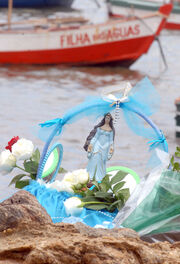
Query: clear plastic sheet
{"points": [[154, 205], [171, 237]]}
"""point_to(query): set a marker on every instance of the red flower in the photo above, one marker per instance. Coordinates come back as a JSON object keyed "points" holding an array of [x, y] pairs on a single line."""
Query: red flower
{"points": [[12, 142]]}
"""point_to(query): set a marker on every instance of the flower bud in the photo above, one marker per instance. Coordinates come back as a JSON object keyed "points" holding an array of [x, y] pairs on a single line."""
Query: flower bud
{"points": [[7, 162], [71, 206]]}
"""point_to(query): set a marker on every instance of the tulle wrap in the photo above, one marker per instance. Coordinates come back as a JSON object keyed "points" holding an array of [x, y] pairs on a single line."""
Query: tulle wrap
{"points": [[53, 202], [143, 101]]}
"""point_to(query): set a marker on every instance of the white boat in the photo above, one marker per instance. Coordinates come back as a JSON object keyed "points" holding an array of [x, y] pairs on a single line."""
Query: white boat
{"points": [[72, 41]]}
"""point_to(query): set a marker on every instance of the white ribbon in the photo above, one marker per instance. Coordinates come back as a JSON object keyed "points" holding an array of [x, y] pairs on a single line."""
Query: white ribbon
{"points": [[110, 93]]}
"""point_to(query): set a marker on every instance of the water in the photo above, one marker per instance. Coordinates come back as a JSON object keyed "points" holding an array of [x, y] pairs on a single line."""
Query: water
{"points": [[30, 95]]}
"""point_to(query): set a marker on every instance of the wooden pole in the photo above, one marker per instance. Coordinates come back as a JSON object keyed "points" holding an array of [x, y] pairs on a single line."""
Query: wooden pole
{"points": [[10, 6]]}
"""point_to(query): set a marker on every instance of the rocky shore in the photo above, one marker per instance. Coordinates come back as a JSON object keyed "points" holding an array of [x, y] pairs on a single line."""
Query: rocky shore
{"points": [[28, 236]]}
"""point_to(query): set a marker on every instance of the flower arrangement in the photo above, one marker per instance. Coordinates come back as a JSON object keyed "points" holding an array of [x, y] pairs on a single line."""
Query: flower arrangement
{"points": [[108, 194]]}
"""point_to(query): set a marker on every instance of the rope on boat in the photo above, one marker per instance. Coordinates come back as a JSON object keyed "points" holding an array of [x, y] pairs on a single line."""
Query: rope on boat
{"points": [[161, 51], [156, 38]]}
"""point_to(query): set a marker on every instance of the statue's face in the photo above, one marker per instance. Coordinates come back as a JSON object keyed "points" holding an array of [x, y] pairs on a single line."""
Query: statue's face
{"points": [[107, 119]]}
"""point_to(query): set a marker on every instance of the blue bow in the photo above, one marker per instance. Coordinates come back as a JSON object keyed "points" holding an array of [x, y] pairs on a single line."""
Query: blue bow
{"points": [[52, 122], [156, 142]]}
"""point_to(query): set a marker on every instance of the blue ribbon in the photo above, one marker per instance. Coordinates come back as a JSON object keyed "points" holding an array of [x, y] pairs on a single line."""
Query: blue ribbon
{"points": [[156, 142], [52, 122]]}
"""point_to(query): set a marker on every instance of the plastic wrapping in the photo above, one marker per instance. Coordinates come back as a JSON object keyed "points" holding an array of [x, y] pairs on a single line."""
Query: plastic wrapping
{"points": [[171, 237], [154, 205]]}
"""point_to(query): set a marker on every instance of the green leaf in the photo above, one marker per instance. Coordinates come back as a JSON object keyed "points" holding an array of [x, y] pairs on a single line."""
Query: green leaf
{"points": [[103, 195], [103, 187], [89, 193], [176, 166], [117, 204], [120, 205], [96, 206], [118, 186], [33, 176], [31, 166], [17, 178], [177, 154], [123, 192], [96, 184], [105, 184], [36, 156], [120, 196], [62, 170], [90, 199], [105, 180], [178, 149], [172, 161], [118, 177], [21, 184]]}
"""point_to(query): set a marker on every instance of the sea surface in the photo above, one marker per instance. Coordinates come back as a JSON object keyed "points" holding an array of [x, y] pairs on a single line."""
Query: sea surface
{"points": [[30, 95]]}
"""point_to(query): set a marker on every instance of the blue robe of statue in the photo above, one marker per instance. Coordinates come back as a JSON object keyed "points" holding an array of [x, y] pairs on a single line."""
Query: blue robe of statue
{"points": [[101, 142]]}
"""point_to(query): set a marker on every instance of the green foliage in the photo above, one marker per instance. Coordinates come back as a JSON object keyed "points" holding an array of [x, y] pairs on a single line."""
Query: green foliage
{"points": [[21, 184], [31, 166], [174, 164], [29, 171], [36, 156], [17, 178], [62, 170], [108, 194]]}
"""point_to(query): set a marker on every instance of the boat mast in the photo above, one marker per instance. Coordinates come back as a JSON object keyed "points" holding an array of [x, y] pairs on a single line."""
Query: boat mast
{"points": [[10, 6]]}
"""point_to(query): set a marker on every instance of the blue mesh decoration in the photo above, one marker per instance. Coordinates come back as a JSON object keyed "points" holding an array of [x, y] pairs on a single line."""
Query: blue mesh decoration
{"points": [[142, 101]]}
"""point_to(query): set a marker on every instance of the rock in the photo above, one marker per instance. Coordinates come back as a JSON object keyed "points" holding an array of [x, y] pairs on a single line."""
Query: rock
{"points": [[35, 243], [22, 205], [28, 236]]}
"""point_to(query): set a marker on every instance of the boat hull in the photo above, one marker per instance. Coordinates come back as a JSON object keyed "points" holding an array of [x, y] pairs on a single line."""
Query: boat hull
{"points": [[36, 3], [139, 8], [172, 26], [112, 42], [126, 51]]}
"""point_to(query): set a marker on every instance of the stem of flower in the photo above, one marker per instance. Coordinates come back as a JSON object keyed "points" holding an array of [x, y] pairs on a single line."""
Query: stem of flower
{"points": [[93, 202], [16, 166]]}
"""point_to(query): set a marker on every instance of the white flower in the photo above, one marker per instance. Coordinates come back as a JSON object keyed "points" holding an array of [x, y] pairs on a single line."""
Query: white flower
{"points": [[61, 186], [77, 177], [71, 178], [71, 206], [23, 149], [7, 162], [83, 177]]}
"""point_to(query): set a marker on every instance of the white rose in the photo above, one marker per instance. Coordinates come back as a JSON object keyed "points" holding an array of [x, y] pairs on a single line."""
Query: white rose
{"points": [[61, 186], [71, 206], [71, 178], [68, 177], [77, 177], [23, 149], [83, 177], [7, 162]]}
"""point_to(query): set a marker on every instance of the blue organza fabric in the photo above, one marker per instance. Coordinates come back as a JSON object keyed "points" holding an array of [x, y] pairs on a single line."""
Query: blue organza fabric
{"points": [[53, 202], [143, 101]]}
